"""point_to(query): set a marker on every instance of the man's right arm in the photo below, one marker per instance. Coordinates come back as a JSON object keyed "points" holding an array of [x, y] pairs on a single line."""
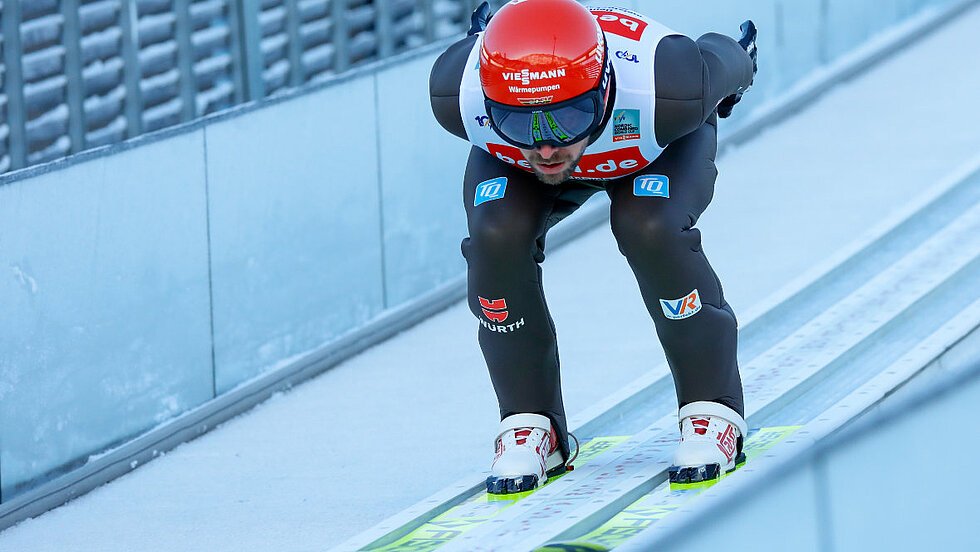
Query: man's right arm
{"points": [[444, 80]]}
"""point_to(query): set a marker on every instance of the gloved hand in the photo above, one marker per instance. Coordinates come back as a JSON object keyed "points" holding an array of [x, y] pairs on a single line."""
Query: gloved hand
{"points": [[479, 19], [747, 42]]}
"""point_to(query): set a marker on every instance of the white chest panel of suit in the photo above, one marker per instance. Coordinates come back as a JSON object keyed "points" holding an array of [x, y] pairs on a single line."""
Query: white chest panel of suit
{"points": [[627, 144]]}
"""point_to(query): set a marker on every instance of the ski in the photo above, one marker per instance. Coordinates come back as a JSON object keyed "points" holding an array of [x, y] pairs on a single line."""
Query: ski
{"points": [[666, 498], [481, 508]]}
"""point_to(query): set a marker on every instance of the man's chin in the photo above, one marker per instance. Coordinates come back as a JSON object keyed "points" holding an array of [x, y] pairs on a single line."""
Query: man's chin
{"points": [[555, 178]]}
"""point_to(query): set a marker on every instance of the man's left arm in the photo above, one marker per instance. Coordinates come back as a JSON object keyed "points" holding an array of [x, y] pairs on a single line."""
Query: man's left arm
{"points": [[692, 78], [725, 61]]}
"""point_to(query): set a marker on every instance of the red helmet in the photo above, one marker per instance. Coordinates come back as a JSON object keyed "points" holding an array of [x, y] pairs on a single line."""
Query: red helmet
{"points": [[554, 49], [537, 57]]}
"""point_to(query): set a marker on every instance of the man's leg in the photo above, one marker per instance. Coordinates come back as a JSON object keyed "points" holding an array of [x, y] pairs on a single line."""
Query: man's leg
{"points": [[653, 221], [508, 213]]}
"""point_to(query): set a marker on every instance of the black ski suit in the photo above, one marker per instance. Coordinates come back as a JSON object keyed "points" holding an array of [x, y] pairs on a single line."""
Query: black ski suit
{"points": [[506, 240]]}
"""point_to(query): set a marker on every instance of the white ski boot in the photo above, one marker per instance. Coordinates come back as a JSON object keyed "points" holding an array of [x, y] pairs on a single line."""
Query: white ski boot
{"points": [[527, 454], [711, 443]]}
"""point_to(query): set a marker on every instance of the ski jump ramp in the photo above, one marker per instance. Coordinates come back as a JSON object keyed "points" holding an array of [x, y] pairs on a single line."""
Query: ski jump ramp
{"points": [[849, 354], [824, 362], [904, 303]]}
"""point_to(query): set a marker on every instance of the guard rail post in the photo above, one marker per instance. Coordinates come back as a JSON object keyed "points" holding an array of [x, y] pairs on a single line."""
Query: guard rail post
{"points": [[132, 72], [185, 60], [341, 60], [382, 22], [251, 48], [429, 16], [71, 37], [14, 84], [296, 76]]}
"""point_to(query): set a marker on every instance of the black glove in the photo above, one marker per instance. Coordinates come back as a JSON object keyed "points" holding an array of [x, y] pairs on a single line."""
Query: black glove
{"points": [[479, 19], [747, 42]]}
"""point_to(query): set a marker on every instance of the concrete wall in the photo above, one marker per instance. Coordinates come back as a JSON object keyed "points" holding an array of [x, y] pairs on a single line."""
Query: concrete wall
{"points": [[141, 281], [104, 306]]}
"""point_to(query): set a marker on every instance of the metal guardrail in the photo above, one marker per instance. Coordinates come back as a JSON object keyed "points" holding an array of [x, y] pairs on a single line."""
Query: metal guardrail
{"points": [[78, 74]]}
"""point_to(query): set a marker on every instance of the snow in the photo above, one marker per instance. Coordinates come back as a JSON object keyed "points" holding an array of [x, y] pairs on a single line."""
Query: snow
{"points": [[310, 468]]}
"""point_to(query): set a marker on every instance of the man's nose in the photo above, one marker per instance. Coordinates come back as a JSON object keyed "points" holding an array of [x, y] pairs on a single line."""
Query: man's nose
{"points": [[546, 151]]}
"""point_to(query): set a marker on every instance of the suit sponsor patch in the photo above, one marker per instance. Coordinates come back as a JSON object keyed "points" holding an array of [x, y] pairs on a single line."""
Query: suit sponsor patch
{"points": [[492, 189], [651, 185], [497, 312], [607, 165], [626, 124], [619, 23], [685, 307]]}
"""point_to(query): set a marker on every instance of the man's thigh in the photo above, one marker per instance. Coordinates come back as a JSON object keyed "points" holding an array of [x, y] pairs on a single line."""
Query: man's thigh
{"points": [[678, 185], [502, 198]]}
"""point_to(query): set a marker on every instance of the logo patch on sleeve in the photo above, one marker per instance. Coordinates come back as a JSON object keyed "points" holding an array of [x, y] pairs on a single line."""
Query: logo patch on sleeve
{"points": [[490, 190], [651, 185], [685, 307]]}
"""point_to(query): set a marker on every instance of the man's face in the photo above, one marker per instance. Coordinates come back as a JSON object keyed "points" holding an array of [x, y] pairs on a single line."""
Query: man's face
{"points": [[554, 165]]}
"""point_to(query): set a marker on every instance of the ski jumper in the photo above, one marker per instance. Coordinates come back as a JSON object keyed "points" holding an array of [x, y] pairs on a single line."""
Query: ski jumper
{"points": [[654, 157]]}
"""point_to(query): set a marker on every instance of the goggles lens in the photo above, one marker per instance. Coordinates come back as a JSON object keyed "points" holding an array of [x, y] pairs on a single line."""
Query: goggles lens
{"points": [[561, 124]]}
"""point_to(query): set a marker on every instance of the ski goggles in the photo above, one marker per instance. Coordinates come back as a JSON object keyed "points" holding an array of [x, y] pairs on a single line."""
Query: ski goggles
{"points": [[557, 124]]}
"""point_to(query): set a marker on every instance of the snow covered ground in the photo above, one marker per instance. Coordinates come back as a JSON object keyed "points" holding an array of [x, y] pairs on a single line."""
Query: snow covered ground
{"points": [[310, 468]]}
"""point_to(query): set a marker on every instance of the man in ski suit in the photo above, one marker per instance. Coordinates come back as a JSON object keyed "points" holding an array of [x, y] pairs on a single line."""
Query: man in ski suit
{"points": [[560, 102]]}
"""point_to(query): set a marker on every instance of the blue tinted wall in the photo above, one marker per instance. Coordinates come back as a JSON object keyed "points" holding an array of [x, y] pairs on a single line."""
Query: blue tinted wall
{"points": [[139, 282]]}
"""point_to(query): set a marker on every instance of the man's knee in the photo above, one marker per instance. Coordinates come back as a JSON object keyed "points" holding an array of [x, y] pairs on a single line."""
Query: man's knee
{"points": [[646, 234], [500, 238]]}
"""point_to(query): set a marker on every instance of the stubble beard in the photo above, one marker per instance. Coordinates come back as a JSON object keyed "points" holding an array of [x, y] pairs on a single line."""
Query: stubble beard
{"points": [[554, 179]]}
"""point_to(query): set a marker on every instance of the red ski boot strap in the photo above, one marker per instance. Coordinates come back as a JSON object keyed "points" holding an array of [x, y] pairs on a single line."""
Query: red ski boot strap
{"points": [[708, 408], [521, 421]]}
